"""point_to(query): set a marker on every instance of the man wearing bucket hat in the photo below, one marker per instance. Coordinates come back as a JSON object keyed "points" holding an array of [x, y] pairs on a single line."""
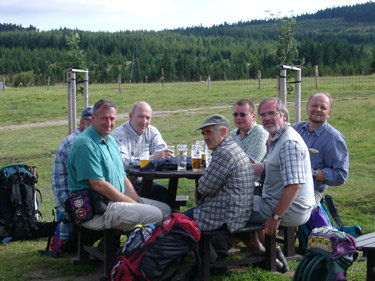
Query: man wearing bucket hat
{"points": [[226, 188]]}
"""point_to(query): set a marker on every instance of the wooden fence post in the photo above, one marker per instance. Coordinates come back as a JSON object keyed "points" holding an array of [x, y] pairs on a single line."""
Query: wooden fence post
{"points": [[316, 76]]}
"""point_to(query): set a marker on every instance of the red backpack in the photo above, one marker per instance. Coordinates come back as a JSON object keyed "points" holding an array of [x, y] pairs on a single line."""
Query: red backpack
{"points": [[168, 245]]}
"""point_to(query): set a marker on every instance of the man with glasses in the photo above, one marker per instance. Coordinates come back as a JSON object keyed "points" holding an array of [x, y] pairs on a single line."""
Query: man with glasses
{"points": [[250, 136], [288, 192]]}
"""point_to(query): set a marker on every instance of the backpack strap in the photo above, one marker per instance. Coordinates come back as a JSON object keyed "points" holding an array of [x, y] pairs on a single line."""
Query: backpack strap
{"points": [[313, 267], [302, 266], [332, 209]]}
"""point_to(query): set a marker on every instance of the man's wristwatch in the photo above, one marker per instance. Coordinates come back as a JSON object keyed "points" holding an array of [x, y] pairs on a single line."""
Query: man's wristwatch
{"points": [[276, 217], [314, 173]]}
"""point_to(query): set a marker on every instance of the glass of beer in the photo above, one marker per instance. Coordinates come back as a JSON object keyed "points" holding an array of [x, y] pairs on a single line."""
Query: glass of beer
{"points": [[144, 155], [202, 144], [196, 157]]}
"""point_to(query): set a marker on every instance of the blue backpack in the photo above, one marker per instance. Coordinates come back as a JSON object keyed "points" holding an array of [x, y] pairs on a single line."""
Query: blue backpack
{"points": [[329, 254]]}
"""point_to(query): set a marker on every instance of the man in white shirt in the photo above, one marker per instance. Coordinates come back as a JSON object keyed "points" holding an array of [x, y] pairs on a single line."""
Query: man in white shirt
{"points": [[139, 131]]}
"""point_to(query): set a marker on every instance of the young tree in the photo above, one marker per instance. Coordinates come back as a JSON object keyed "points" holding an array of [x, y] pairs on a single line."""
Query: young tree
{"points": [[75, 54], [286, 51]]}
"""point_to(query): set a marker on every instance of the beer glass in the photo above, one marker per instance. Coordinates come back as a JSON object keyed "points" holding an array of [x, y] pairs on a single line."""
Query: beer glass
{"points": [[182, 157], [144, 155], [203, 145], [196, 157], [171, 147]]}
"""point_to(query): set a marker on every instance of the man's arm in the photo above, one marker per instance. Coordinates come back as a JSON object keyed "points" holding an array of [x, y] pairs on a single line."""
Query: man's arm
{"points": [[130, 191], [287, 198], [109, 191], [258, 169]]}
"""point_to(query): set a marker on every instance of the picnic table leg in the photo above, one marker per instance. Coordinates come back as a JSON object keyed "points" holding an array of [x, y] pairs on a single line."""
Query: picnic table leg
{"points": [[146, 187], [172, 192], [370, 265]]}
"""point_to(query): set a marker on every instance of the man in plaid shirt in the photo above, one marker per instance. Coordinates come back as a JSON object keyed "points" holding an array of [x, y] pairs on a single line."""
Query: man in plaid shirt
{"points": [[226, 188]]}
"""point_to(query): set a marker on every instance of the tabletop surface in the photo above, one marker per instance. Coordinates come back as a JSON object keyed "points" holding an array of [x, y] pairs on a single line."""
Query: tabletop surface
{"points": [[136, 171]]}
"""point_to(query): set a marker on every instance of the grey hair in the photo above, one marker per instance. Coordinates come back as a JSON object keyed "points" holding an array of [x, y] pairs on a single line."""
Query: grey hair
{"points": [[280, 107], [135, 105], [107, 104]]}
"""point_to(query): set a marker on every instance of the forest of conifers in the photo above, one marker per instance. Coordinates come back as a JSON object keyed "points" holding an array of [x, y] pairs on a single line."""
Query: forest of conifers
{"points": [[340, 40]]}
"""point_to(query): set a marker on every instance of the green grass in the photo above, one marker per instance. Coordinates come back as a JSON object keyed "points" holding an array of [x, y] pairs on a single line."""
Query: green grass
{"points": [[178, 109]]}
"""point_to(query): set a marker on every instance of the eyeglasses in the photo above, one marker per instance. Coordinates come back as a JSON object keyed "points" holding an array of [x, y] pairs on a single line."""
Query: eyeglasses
{"points": [[270, 114], [240, 114]]}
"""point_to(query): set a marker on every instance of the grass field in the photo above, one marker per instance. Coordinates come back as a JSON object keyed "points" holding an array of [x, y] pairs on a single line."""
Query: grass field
{"points": [[178, 109]]}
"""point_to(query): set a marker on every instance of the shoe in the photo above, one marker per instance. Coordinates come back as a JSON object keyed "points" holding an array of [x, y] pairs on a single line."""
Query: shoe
{"points": [[281, 263]]}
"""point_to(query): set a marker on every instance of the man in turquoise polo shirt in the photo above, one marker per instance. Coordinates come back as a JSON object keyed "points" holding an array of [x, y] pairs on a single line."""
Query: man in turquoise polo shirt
{"points": [[95, 163]]}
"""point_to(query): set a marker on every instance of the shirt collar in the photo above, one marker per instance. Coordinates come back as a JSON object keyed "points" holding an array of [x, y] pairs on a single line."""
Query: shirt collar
{"points": [[280, 132], [95, 136], [318, 131], [131, 130], [248, 132], [224, 142]]}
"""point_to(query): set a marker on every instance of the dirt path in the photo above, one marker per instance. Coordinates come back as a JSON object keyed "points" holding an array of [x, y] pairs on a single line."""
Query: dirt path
{"points": [[119, 117]]}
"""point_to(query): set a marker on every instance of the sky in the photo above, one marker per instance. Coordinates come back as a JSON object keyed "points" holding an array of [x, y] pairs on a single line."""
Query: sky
{"points": [[121, 15]]}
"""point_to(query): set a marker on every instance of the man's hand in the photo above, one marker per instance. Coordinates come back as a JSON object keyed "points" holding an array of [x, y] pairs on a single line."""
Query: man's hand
{"points": [[271, 226], [166, 153], [109, 191]]}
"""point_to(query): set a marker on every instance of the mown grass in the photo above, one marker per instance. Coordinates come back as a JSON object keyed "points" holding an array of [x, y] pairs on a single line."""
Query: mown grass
{"points": [[178, 109]]}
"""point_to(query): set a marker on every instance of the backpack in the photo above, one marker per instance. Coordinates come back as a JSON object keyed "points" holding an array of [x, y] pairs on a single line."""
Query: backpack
{"points": [[319, 217], [168, 245], [19, 210], [329, 254], [62, 239]]}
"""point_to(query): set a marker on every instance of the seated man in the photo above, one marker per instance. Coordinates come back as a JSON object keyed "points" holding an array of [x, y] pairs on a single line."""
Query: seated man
{"points": [[136, 132], [95, 163], [250, 136], [226, 188], [328, 151], [288, 192], [60, 173]]}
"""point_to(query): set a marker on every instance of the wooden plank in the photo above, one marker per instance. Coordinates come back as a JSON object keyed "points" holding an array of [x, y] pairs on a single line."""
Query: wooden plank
{"points": [[364, 240]]}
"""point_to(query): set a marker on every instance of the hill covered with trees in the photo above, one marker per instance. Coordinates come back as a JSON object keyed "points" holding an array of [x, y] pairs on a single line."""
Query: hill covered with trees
{"points": [[340, 40]]}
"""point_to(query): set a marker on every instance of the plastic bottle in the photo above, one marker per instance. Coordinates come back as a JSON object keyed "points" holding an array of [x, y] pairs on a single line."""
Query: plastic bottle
{"points": [[147, 233], [137, 239]]}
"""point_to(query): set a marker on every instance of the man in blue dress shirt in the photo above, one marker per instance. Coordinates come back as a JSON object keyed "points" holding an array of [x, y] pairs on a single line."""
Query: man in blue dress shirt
{"points": [[328, 151]]}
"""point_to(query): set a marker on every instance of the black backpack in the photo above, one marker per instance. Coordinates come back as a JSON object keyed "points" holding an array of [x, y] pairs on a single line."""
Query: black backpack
{"points": [[19, 212]]}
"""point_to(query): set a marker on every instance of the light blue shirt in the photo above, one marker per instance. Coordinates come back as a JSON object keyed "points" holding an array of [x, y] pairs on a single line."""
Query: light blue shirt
{"points": [[253, 143], [328, 152], [93, 158]]}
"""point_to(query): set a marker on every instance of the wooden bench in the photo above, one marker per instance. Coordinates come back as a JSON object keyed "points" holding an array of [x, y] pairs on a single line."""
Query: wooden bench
{"points": [[181, 200], [249, 230], [89, 255], [289, 242], [366, 243]]}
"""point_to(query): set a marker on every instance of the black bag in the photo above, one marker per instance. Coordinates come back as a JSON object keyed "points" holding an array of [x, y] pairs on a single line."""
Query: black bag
{"points": [[19, 213]]}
